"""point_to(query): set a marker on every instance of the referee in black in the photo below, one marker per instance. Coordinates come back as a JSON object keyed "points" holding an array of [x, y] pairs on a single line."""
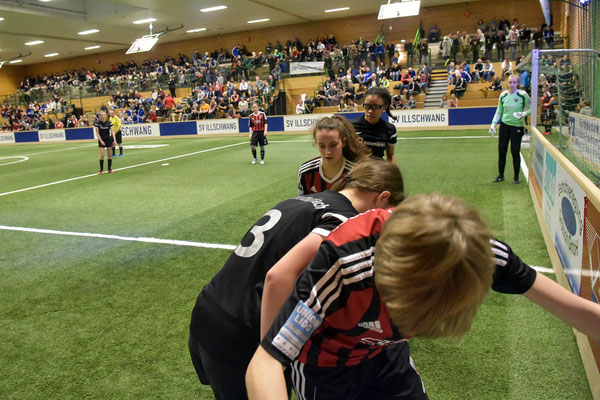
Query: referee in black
{"points": [[106, 138]]}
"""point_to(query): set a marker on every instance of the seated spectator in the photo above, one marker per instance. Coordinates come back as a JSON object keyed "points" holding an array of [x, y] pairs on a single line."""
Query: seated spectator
{"points": [[243, 107], [321, 96], [397, 102], [232, 112], [412, 103], [488, 71], [444, 102], [204, 109], [300, 107], [384, 82], [423, 82], [411, 89], [461, 85], [453, 102], [477, 70], [507, 68]]}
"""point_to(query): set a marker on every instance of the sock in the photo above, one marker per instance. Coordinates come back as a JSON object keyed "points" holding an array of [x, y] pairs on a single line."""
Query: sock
{"points": [[101, 165], [254, 153], [120, 150], [113, 151], [262, 153], [110, 164]]}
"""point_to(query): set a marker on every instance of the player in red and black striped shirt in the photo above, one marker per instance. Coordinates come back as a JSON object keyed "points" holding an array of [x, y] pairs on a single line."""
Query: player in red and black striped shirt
{"points": [[258, 132], [339, 146], [225, 325], [382, 277]]}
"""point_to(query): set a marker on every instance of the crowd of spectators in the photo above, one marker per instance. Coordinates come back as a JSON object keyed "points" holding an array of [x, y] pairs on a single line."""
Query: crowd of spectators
{"points": [[221, 85]]}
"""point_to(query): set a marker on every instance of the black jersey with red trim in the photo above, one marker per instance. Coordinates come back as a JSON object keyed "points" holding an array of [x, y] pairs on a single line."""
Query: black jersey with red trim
{"points": [[311, 178], [236, 290], [376, 136], [335, 317], [258, 121]]}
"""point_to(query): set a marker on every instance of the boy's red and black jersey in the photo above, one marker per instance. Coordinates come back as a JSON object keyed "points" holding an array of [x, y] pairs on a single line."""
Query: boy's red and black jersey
{"points": [[236, 290], [312, 180], [335, 316], [257, 121]]}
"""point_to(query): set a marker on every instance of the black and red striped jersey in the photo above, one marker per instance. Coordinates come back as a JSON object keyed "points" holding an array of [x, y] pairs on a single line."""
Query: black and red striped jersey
{"points": [[236, 290], [257, 121], [311, 178], [335, 316]]}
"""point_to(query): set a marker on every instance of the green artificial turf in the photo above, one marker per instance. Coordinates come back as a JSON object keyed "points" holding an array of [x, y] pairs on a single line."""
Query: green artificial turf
{"points": [[98, 318]]}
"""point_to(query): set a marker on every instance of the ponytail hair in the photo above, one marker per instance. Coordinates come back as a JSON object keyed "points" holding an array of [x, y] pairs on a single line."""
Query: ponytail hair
{"points": [[353, 147], [385, 96], [374, 175]]}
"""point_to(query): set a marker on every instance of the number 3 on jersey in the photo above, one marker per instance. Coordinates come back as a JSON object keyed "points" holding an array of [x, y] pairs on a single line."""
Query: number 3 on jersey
{"points": [[259, 237]]}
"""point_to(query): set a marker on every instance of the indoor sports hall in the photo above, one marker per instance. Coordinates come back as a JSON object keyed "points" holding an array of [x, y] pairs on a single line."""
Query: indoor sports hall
{"points": [[100, 271]]}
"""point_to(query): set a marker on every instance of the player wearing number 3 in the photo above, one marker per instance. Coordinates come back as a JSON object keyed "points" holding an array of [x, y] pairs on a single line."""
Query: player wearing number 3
{"points": [[513, 107], [225, 325]]}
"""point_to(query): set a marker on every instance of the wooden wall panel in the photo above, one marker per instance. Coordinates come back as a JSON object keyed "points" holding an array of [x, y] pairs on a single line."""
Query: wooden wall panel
{"points": [[10, 78], [450, 18]]}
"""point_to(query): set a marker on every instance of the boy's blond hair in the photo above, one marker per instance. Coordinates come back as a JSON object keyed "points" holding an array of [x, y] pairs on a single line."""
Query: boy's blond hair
{"points": [[434, 266]]}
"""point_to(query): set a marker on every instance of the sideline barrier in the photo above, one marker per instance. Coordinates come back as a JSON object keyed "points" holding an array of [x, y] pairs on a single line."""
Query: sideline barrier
{"points": [[408, 119], [567, 205]]}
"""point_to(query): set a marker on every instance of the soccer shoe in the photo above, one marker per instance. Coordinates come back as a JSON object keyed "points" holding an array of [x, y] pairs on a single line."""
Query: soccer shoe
{"points": [[110, 171], [120, 155], [262, 162], [100, 172], [546, 133], [499, 178], [516, 181], [254, 161]]}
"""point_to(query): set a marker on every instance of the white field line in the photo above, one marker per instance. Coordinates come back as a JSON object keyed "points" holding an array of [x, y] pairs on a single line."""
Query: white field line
{"points": [[120, 169], [60, 150], [542, 269], [155, 240], [124, 238]]}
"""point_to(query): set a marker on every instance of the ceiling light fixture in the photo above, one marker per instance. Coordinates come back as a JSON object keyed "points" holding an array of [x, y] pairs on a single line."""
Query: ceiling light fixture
{"points": [[88, 32], [15, 61], [51, 55], [337, 9], [258, 20], [216, 8], [33, 43], [92, 47], [143, 21], [196, 30]]}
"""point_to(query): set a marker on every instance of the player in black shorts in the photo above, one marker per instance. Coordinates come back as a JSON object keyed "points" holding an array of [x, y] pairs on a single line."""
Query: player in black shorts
{"points": [[380, 136], [116, 122], [258, 132], [225, 325], [106, 138], [421, 270]]}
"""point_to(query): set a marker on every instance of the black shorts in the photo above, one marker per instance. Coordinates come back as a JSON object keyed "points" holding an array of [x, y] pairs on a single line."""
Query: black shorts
{"points": [[108, 142], [221, 349], [119, 137], [389, 375], [258, 138]]}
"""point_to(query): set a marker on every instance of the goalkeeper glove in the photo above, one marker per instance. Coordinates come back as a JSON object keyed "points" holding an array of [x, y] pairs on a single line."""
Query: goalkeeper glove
{"points": [[492, 130], [519, 115]]}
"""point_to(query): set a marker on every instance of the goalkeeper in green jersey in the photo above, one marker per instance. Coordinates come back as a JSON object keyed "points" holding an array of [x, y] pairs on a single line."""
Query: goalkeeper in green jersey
{"points": [[513, 108]]}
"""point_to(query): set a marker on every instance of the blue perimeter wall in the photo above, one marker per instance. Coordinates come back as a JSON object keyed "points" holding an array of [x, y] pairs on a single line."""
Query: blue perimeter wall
{"points": [[456, 117]]}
